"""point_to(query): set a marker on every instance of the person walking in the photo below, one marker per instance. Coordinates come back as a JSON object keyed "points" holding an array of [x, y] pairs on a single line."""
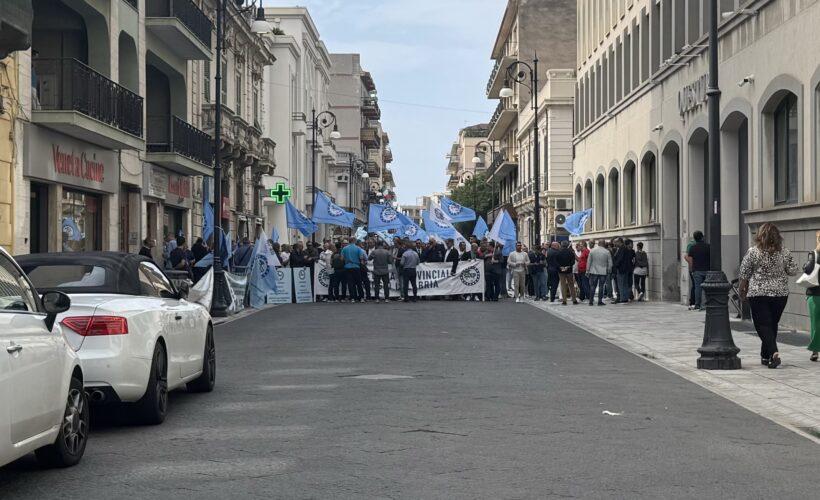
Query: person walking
{"points": [[641, 272], [810, 281], [517, 263], [381, 258], [566, 261], [599, 267], [698, 258], [538, 273], [764, 280], [582, 253], [354, 256], [553, 279], [409, 261]]}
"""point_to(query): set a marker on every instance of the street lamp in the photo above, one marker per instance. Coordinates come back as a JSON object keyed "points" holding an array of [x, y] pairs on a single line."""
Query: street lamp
{"points": [[476, 160], [360, 167], [324, 120], [219, 308], [718, 351], [520, 77]]}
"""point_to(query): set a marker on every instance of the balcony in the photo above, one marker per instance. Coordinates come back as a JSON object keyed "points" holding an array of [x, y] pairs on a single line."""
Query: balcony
{"points": [[367, 80], [498, 75], [179, 146], [388, 156], [371, 137], [505, 162], [182, 26], [500, 122], [78, 101], [370, 108]]}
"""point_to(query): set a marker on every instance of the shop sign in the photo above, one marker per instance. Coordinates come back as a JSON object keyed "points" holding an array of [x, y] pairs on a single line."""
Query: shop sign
{"points": [[693, 96], [57, 158], [168, 186]]}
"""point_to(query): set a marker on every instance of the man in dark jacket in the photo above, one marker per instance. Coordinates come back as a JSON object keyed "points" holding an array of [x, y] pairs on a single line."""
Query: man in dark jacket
{"points": [[553, 278], [451, 255], [434, 253], [148, 245], [622, 262], [566, 260], [538, 275]]}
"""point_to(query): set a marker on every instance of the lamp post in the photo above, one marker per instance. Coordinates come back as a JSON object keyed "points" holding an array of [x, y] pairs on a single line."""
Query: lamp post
{"points": [[259, 26], [718, 351], [324, 120], [360, 166], [476, 160], [520, 77]]}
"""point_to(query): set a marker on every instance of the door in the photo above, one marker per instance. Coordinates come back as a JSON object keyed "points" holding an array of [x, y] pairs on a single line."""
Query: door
{"points": [[173, 318], [32, 356], [38, 221]]}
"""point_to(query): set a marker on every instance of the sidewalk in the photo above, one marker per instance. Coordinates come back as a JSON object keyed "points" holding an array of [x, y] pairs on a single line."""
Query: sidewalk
{"points": [[669, 335]]}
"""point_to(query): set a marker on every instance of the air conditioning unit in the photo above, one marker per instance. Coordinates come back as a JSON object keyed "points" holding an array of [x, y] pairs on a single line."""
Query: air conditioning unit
{"points": [[561, 217], [563, 204]]}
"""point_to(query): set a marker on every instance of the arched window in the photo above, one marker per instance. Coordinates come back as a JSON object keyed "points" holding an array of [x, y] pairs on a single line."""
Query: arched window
{"points": [[599, 205], [649, 189], [785, 150], [630, 195], [614, 205], [588, 200], [579, 200]]}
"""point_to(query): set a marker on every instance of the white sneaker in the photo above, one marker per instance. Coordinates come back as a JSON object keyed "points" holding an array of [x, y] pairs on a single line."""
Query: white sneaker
{"points": [[517, 300]]}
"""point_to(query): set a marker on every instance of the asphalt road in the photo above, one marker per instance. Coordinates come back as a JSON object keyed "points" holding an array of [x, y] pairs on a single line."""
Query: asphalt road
{"points": [[505, 401]]}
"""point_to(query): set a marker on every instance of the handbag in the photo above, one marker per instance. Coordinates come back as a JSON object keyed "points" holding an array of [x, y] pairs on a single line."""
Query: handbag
{"points": [[811, 280], [640, 271]]}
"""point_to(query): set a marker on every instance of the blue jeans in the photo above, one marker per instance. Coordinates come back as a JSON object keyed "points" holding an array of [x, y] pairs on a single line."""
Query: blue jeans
{"points": [[597, 281], [539, 280], [623, 287], [700, 277], [583, 285]]}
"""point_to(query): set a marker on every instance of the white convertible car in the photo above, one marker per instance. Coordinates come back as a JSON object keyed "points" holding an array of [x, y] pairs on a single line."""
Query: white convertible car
{"points": [[44, 407], [136, 334]]}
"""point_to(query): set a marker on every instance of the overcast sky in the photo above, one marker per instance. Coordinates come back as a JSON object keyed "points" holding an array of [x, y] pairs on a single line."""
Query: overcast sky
{"points": [[430, 60]]}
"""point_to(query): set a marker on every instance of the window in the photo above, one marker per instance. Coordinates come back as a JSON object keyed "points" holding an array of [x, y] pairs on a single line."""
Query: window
{"points": [[146, 285], [785, 150], [206, 80], [614, 205], [599, 203], [238, 95], [649, 203], [630, 198], [15, 292], [255, 105], [62, 276], [224, 84], [82, 221], [158, 279]]}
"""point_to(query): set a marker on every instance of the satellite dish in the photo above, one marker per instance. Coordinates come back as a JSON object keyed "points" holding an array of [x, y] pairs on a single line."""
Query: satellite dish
{"points": [[560, 219]]}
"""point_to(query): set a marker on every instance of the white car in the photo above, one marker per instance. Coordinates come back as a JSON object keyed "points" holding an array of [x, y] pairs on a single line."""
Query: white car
{"points": [[136, 334], [44, 409]]}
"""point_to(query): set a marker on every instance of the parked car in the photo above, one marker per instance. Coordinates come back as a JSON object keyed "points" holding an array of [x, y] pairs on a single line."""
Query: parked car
{"points": [[135, 332], [44, 409]]}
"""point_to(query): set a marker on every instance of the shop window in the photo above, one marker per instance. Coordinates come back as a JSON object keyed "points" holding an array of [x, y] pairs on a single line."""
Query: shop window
{"points": [[81, 221], [785, 150]]}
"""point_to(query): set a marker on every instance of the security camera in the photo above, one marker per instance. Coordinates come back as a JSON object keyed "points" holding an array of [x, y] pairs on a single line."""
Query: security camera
{"points": [[749, 79]]}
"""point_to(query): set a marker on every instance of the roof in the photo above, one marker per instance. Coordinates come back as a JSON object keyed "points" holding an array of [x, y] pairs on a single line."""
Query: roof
{"points": [[121, 269]]}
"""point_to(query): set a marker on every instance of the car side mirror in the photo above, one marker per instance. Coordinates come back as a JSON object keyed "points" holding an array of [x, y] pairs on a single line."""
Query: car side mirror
{"points": [[54, 303]]}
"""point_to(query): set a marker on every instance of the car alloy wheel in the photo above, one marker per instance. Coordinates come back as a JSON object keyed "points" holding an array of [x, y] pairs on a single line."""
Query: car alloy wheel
{"points": [[75, 424]]}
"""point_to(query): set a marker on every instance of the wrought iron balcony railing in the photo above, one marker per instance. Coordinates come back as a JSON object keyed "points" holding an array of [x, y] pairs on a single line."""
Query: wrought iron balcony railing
{"points": [[187, 12], [171, 134], [70, 85]]}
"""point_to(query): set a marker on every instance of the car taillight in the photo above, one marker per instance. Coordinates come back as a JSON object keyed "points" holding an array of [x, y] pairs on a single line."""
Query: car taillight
{"points": [[90, 326]]}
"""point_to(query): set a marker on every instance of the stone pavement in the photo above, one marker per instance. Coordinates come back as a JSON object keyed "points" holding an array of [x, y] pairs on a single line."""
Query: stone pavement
{"points": [[669, 335]]}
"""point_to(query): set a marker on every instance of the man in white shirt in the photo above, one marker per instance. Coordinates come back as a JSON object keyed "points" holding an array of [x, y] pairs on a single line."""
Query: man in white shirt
{"points": [[517, 263]]}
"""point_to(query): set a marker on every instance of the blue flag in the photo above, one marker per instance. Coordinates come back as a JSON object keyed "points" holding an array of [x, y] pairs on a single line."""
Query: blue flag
{"points": [[480, 231], [298, 220], [382, 217], [327, 212], [504, 232], [576, 221], [274, 235], [208, 221], [71, 229], [361, 234], [456, 212], [263, 271], [411, 230]]}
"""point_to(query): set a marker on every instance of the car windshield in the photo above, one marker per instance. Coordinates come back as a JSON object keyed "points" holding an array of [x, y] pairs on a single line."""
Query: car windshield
{"points": [[75, 276]]}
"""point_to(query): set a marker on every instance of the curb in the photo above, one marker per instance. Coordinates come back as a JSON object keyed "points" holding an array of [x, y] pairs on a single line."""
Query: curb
{"points": [[241, 314]]}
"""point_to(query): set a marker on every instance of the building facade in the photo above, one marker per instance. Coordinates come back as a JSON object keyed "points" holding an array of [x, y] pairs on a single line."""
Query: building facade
{"points": [[529, 28], [116, 111], [356, 105], [298, 84], [641, 138], [460, 166]]}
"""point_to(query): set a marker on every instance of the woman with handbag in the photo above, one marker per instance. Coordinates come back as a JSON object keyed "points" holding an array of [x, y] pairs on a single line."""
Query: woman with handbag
{"points": [[640, 272], [810, 280], [764, 280]]}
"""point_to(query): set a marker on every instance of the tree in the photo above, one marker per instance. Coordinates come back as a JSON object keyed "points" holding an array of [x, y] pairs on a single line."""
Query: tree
{"points": [[475, 194]]}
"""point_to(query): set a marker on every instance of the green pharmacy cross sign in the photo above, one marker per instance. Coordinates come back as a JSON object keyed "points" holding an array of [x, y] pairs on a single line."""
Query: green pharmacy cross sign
{"points": [[281, 194]]}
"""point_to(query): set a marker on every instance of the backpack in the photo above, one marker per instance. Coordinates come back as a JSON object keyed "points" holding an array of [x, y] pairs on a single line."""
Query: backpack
{"points": [[337, 261]]}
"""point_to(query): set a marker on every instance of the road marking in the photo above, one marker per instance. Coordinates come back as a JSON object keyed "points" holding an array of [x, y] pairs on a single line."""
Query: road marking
{"points": [[269, 405], [215, 469], [308, 371], [253, 432], [381, 376], [302, 387]]}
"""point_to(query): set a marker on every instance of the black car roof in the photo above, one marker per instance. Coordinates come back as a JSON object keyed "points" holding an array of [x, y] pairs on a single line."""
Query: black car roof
{"points": [[122, 269]]}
